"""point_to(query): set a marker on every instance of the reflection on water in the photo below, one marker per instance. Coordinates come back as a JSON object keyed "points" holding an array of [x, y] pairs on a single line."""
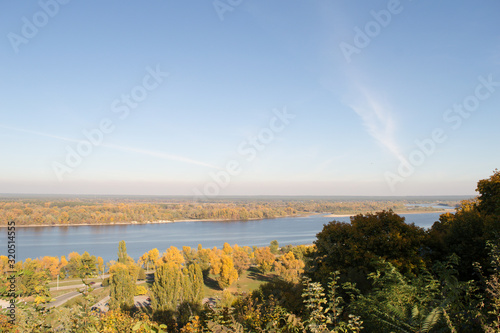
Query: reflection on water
{"points": [[102, 240]]}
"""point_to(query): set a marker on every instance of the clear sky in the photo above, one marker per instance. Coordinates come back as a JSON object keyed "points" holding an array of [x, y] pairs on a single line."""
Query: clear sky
{"points": [[249, 97]]}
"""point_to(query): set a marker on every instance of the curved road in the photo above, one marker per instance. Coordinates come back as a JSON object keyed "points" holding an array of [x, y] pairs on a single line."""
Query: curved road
{"points": [[60, 300]]}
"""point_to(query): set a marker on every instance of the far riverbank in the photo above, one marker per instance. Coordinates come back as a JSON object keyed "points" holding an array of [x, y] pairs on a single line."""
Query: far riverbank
{"points": [[151, 222], [400, 212], [219, 220]]}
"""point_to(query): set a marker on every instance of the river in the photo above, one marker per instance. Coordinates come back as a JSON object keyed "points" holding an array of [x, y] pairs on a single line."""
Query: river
{"points": [[102, 240]]}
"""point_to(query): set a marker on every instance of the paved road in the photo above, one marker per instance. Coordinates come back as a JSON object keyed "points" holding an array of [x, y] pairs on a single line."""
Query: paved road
{"points": [[60, 300], [67, 287], [140, 302]]}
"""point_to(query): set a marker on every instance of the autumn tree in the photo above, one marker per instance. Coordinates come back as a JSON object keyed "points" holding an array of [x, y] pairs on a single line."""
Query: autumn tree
{"points": [[264, 259], [100, 265], [189, 254], [174, 256], [241, 260], [227, 248], [51, 266], [150, 258], [62, 267], [228, 274], [289, 268], [215, 256]]}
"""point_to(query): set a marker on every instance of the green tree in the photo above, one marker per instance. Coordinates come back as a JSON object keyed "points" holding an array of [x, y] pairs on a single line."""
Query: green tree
{"points": [[274, 247], [203, 259], [122, 286], [123, 257], [142, 274], [352, 247], [87, 266], [193, 284], [325, 310], [489, 194], [467, 232], [166, 291], [189, 254]]}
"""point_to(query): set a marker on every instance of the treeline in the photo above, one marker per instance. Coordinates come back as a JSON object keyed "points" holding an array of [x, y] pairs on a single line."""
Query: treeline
{"points": [[33, 275], [65, 213], [91, 211]]}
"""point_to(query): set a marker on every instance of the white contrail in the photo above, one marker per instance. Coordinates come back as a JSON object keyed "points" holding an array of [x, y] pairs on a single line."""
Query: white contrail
{"points": [[377, 119], [161, 155], [122, 148]]}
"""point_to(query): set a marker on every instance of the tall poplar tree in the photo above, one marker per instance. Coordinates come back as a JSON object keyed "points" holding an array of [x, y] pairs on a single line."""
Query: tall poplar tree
{"points": [[193, 284], [122, 253], [122, 286], [167, 288]]}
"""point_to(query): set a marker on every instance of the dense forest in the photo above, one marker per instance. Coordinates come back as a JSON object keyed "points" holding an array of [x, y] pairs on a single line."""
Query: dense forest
{"points": [[60, 211], [374, 274]]}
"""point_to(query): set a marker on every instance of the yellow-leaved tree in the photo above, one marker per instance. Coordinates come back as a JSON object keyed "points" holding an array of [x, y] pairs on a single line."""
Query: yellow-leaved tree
{"points": [[174, 256], [289, 267]]}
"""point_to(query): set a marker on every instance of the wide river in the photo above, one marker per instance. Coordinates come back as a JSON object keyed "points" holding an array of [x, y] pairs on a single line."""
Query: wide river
{"points": [[102, 240]]}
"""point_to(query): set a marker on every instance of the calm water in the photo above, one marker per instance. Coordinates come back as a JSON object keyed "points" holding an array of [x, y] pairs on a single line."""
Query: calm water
{"points": [[103, 240]]}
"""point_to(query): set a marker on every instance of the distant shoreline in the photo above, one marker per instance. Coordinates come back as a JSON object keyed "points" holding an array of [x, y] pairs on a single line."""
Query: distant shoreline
{"points": [[149, 222], [211, 220], [448, 210]]}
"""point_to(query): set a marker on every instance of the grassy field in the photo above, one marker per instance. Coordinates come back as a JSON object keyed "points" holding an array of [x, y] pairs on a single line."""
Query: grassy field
{"points": [[55, 293], [248, 281]]}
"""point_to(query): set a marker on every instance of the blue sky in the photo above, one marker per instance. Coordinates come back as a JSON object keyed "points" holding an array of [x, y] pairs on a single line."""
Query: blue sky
{"points": [[356, 84]]}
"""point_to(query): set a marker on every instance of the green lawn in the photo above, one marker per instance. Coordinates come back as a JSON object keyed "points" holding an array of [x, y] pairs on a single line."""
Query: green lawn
{"points": [[248, 281], [55, 293]]}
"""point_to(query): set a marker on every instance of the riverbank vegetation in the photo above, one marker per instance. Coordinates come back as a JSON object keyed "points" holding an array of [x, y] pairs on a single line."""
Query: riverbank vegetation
{"points": [[46, 211], [374, 274]]}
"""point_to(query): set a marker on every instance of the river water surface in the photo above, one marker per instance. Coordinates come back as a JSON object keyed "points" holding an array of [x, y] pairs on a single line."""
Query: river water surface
{"points": [[102, 240]]}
